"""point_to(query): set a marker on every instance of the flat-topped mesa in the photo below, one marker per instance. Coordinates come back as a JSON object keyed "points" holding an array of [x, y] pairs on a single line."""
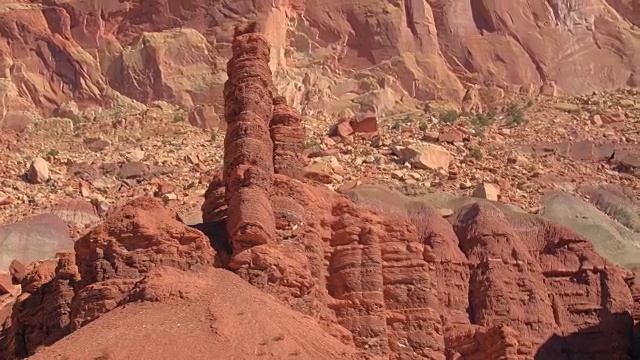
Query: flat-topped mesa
{"points": [[287, 134], [248, 160]]}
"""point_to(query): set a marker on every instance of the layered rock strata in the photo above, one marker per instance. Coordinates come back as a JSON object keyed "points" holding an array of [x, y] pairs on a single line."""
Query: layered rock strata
{"points": [[248, 153], [214, 207], [287, 134]]}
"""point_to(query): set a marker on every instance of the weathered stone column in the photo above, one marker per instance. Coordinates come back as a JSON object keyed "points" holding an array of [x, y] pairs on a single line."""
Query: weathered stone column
{"points": [[248, 150]]}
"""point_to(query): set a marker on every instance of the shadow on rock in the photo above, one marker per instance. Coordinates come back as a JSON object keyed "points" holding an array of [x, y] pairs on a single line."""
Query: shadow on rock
{"points": [[216, 232], [589, 342]]}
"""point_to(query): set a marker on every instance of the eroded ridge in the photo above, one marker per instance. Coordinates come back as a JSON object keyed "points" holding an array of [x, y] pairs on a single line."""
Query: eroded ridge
{"points": [[248, 159]]}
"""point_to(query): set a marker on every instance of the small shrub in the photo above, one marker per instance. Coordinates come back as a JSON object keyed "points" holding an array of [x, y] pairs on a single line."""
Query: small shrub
{"points": [[423, 126], [483, 120], [396, 126], [308, 144], [476, 153], [449, 117], [76, 120], [52, 153], [515, 115], [408, 119], [178, 117]]}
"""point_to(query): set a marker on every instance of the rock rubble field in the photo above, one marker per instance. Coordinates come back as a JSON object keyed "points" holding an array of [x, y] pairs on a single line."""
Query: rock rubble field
{"points": [[299, 180]]}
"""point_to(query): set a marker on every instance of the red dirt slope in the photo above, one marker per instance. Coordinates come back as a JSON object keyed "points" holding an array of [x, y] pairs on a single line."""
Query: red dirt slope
{"points": [[212, 315]]}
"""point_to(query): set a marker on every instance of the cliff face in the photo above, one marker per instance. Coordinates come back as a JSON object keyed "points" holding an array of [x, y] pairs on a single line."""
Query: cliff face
{"points": [[388, 282], [425, 50]]}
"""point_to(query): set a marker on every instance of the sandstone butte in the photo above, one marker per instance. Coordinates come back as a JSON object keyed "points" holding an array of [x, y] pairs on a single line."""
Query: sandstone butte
{"points": [[353, 278], [54, 53]]}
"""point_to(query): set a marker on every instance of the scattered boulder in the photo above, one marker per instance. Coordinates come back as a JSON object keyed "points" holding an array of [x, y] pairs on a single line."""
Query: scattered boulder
{"points": [[77, 212], [133, 170], [424, 156], [451, 135], [205, 117], [96, 144], [567, 107], [38, 171], [487, 191], [135, 155], [366, 124], [344, 130], [35, 238]]}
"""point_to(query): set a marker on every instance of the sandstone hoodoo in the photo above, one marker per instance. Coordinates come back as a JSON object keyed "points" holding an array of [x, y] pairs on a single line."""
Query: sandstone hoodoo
{"points": [[248, 155], [373, 275]]}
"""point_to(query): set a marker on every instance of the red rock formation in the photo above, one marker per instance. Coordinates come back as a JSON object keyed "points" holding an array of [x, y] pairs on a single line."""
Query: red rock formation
{"points": [[506, 285], [447, 263], [214, 207], [41, 315], [351, 267], [390, 282], [105, 271], [133, 241], [55, 51], [499, 342], [287, 134], [248, 153], [591, 300]]}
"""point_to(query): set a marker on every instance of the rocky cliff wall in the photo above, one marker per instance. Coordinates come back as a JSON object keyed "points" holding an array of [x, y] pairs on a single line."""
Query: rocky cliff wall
{"points": [[390, 283], [54, 51]]}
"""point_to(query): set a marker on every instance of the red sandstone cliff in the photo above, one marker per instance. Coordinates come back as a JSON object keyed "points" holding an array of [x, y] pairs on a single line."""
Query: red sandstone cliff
{"points": [[389, 283], [56, 51]]}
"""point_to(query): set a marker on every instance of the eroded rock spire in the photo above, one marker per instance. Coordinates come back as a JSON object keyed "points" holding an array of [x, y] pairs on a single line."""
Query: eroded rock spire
{"points": [[248, 159]]}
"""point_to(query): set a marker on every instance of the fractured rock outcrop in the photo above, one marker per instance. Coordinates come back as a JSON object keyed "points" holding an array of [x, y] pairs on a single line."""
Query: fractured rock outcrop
{"points": [[106, 270], [248, 152], [507, 284], [42, 313], [214, 207]]}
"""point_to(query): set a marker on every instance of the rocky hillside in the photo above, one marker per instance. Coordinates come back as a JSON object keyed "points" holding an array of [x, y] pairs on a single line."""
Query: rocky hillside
{"points": [[328, 56], [359, 273]]}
